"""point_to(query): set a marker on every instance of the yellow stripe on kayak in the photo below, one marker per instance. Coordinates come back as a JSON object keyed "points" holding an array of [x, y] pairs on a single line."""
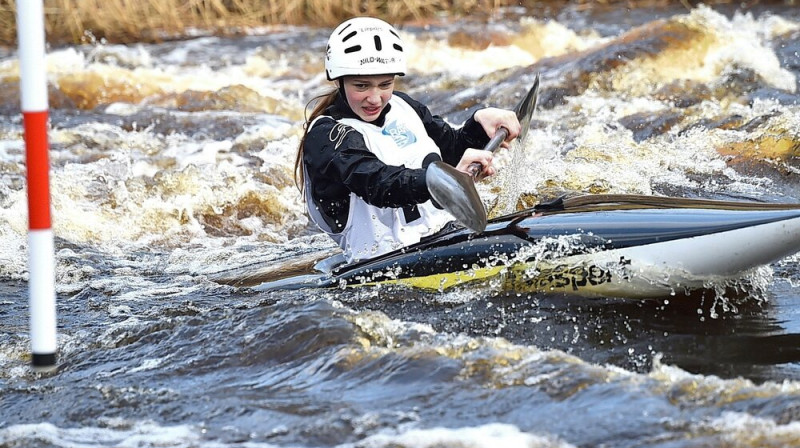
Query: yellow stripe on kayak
{"points": [[519, 277], [442, 281]]}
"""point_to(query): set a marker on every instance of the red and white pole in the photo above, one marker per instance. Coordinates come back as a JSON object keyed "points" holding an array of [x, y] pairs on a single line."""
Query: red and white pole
{"points": [[41, 263]]}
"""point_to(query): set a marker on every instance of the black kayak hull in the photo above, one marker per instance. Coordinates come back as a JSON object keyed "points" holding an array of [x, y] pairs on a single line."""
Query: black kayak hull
{"points": [[639, 252]]}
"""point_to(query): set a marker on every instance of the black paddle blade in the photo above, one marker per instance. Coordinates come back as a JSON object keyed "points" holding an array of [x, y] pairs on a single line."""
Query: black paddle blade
{"points": [[524, 111], [455, 192], [526, 107]]}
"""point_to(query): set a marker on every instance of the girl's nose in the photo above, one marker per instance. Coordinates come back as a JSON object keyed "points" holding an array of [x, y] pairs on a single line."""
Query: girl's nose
{"points": [[374, 97]]}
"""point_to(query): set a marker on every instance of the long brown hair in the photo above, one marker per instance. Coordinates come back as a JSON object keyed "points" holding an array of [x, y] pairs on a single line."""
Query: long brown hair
{"points": [[320, 103]]}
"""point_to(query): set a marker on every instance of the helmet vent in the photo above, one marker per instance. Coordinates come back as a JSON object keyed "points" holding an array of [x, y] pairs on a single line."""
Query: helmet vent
{"points": [[349, 36], [352, 49], [397, 47], [378, 45]]}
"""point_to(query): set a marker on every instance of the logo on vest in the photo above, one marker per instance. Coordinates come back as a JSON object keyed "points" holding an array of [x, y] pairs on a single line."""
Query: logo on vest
{"points": [[401, 135]]}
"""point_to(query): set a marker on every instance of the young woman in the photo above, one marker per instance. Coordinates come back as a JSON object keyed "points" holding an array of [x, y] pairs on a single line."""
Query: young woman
{"points": [[362, 160]]}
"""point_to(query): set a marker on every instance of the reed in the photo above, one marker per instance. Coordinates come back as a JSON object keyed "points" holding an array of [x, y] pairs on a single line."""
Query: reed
{"points": [[125, 21], [76, 21]]}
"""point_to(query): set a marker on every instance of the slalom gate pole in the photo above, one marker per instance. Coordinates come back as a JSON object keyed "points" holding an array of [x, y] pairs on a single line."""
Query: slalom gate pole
{"points": [[41, 260]]}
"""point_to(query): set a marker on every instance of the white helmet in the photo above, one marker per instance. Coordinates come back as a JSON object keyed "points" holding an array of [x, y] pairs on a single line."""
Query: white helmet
{"points": [[364, 46]]}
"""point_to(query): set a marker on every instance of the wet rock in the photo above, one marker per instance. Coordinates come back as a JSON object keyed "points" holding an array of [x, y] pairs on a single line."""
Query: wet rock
{"points": [[781, 96], [788, 415], [787, 48], [572, 74], [10, 101], [737, 84], [649, 124], [237, 98], [89, 90], [683, 93], [763, 148], [728, 122], [757, 122], [478, 40], [733, 122]]}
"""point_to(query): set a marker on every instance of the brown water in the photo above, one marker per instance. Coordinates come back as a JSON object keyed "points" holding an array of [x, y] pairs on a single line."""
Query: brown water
{"points": [[173, 162]]}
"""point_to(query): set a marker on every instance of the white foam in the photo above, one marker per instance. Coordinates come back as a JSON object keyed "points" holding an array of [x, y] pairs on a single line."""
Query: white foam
{"points": [[435, 56], [491, 435], [123, 55], [740, 429], [115, 432], [743, 42]]}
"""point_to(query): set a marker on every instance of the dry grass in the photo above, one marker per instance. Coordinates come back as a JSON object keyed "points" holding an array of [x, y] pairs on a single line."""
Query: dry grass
{"points": [[122, 21], [75, 21]]}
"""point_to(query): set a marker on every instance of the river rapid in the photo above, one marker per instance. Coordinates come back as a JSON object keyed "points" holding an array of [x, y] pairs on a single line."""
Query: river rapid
{"points": [[172, 168]]}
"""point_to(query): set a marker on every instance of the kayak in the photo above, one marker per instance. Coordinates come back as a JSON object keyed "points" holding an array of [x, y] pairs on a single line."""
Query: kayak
{"points": [[595, 246]]}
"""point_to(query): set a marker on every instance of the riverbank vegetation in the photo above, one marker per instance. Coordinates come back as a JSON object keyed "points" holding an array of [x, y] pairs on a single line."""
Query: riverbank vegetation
{"points": [[76, 21]]}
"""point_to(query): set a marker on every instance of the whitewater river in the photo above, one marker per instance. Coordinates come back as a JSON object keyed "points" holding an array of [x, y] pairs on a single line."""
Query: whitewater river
{"points": [[172, 168]]}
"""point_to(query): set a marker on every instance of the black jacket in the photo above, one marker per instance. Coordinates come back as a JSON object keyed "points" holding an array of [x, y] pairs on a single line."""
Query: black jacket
{"points": [[336, 168]]}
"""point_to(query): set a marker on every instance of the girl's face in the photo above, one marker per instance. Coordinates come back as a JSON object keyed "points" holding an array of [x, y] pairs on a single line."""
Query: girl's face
{"points": [[368, 95]]}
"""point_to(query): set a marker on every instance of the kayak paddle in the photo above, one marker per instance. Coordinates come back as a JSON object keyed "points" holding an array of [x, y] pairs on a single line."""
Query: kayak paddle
{"points": [[455, 191]]}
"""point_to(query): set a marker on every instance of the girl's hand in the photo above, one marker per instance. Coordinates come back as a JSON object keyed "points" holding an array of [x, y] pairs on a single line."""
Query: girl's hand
{"points": [[491, 119], [477, 155]]}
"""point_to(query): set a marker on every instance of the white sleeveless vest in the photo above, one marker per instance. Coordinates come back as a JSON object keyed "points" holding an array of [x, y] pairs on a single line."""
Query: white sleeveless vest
{"points": [[370, 230]]}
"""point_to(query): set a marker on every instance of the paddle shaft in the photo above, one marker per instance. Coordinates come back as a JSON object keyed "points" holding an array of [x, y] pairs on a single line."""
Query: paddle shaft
{"points": [[475, 168], [455, 191], [524, 111]]}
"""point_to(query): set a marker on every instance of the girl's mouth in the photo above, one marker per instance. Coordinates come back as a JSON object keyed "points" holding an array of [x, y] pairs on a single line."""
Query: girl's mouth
{"points": [[371, 110]]}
